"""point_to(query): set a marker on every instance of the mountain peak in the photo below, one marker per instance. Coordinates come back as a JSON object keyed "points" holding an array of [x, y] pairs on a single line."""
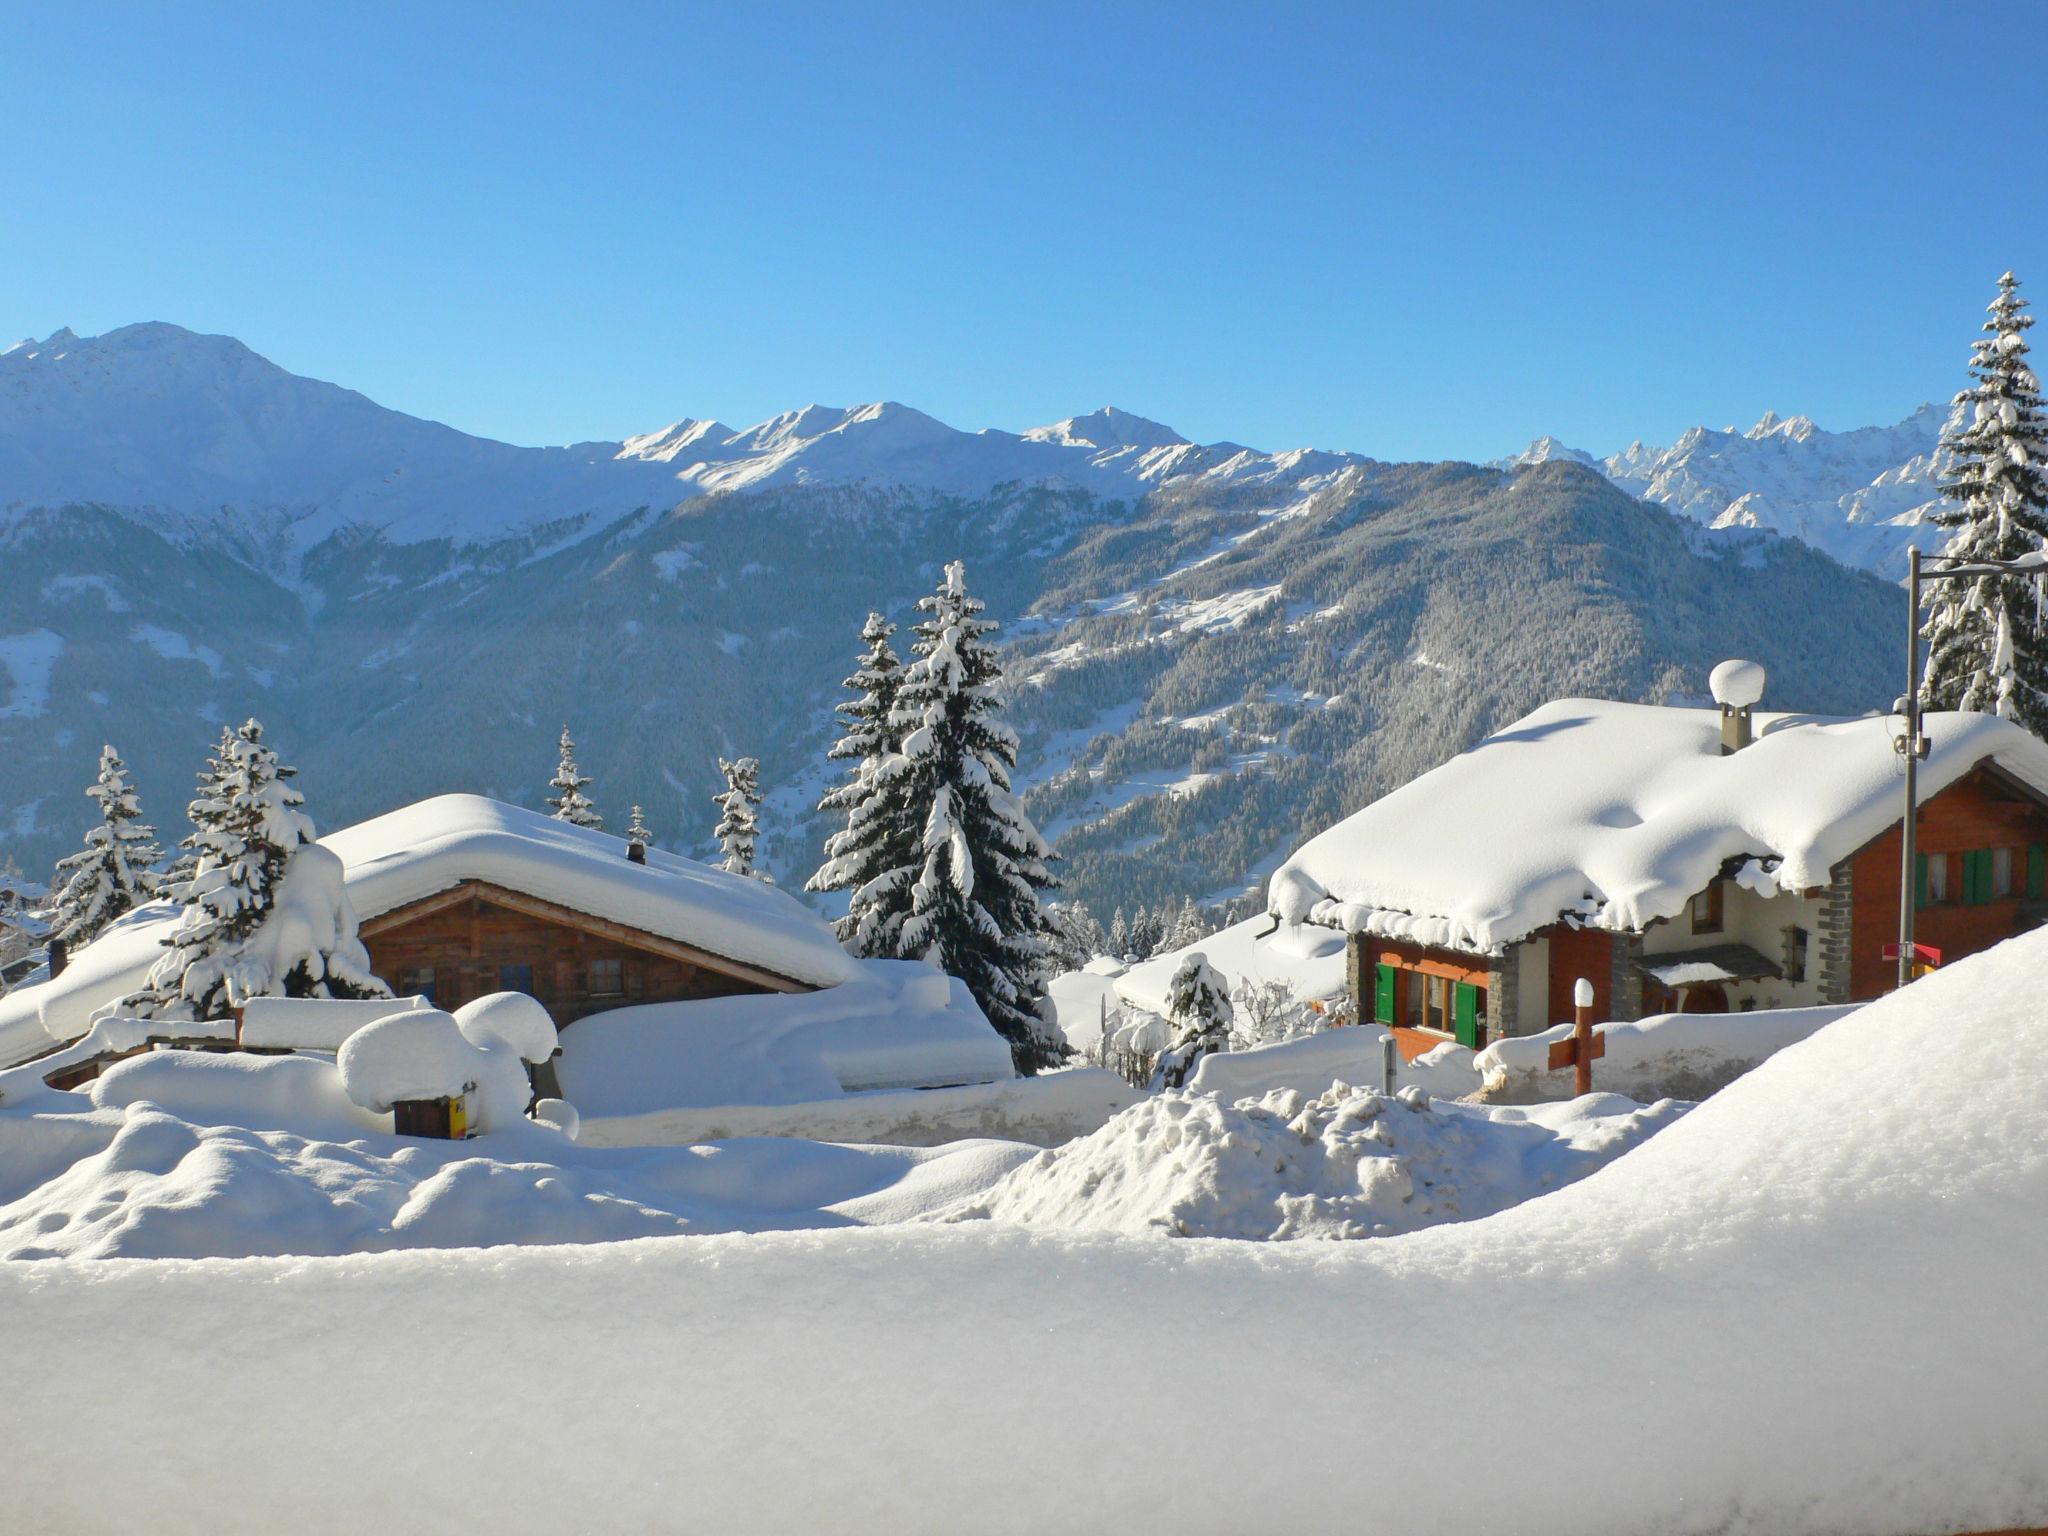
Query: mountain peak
{"points": [[1106, 428]]}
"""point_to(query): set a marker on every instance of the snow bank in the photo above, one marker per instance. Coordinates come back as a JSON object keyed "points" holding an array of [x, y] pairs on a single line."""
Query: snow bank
{"points": [[301, 1094], [1347, 1163], [421, 1054], [132, 1179], [1044, 1111], [899, 1024], [512, 1018], [1082, 1000], [1668, 1055], [1351, 1054], [1619, 813], [1811, 1306], [314, 1023]]}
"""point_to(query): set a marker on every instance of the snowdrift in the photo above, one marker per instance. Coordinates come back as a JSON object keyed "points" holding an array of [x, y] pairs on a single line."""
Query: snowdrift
{"points": [[1812, 1305], [1352, 1054], [1667, 1055], [1347, 1163]]}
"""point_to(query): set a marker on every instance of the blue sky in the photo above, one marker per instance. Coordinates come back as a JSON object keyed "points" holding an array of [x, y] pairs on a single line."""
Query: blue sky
{"points": [[1419, 232]]}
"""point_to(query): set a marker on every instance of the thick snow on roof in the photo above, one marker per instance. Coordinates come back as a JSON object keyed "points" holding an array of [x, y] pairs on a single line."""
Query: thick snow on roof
{"points": [[412, 853], [1307, 960], [1849, 1235], [901, 1024], [1618, 814], [408, 854]]}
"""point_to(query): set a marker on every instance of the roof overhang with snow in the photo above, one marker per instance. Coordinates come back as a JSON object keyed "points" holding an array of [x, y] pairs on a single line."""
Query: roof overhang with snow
{"points": [[1614, 815]]}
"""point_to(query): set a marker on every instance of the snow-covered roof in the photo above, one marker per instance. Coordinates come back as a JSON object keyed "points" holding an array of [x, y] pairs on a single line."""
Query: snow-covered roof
{"points": [[409, 854], [434, 845], [1617, 814]]}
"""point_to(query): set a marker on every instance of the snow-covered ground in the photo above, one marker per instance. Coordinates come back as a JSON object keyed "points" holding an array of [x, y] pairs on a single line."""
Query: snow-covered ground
{"points": [[1811, 1305], [1352, 1054]]}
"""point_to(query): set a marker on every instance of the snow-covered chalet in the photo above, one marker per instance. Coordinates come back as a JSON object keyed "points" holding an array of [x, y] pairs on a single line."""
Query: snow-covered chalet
{"points": [[1680, 859]]}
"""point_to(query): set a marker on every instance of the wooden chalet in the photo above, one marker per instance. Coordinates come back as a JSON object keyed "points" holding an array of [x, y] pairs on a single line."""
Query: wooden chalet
{"points": [[1682, 860]]}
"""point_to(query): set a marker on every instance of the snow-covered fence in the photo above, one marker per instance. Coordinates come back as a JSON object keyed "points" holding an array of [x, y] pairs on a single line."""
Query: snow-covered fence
{"points": [[1666, 1056]]}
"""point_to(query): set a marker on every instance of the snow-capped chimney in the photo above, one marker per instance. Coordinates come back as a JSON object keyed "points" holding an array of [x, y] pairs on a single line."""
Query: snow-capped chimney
{"points": [[60, 956], [636, 852], [1736, 687]]}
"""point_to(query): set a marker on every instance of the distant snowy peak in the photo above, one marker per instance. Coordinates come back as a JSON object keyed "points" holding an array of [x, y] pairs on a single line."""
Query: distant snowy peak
{"points": [[689, 440], [1107, 428], [1861, 495]]}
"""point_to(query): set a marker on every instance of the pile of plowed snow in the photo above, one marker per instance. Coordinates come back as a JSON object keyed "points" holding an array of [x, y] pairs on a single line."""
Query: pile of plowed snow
{"points": [[1349, 1163]]}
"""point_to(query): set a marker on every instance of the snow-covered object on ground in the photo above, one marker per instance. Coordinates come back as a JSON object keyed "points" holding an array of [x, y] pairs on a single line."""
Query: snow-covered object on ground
{"points": [[393, 860], [1618, 814], [1045, 1110], [514, 1018], [901, 1024], [1668, 1055], [1353, 1054], [1349, 1162], [560, 1114], [185, 1155], [1307, 959], [421, 1054], [315, 1023], [1842, 1240]]}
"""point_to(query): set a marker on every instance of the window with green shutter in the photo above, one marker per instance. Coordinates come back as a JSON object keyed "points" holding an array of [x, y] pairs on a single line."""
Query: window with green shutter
{"points": [[1977, 877], [1465, 1015], [1383, 995], [1920, 894], [2037, 872]]}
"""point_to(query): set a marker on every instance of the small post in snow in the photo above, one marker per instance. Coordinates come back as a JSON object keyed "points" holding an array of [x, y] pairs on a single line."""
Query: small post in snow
{"points": [[1387, 1056], [1579, 1051]]}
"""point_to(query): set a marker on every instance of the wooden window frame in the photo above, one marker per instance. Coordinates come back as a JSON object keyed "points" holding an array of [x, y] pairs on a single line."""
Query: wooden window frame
{"points": [[1717, 915], [618, 976]]}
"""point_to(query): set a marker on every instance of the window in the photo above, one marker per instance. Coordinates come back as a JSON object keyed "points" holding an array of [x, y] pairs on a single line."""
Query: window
{"points": [[2001, 872], [1795, 954], [417, 982], [1706, 910], [516, 978], [1933, 879], [607, 978]]}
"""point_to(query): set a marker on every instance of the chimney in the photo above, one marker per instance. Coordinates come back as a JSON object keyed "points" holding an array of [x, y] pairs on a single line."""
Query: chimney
{"points": [[60, 956], [636, 853], [1736, 687]]}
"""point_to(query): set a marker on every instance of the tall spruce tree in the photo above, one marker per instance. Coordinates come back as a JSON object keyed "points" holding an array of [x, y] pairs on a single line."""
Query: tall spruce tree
{"points": [[739, 819], [116, 870], [248, 829], [969, 895], [179, 876], [1988, 636], [866, 856], [568, 801]]}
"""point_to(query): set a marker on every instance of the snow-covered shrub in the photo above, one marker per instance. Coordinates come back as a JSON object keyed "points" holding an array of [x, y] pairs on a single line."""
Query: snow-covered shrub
{"points": [[1199, 998], [569, 802]]}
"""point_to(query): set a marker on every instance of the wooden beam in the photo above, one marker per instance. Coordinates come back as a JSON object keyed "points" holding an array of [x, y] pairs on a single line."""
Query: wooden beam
{"points": [[583, 922]]}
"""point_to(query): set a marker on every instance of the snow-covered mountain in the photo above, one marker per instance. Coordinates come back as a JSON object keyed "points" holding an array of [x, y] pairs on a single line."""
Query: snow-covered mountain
{"points": [[1215, 649], [1862, 496]]}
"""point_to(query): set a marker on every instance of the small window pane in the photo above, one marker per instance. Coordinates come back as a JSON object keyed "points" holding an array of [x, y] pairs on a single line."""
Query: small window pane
{"points": [[515, 978], [607, 978], [2001, 872], [1937, 877], [417, 982]]}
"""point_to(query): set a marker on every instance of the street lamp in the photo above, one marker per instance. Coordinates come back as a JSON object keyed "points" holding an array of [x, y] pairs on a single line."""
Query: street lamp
{"points": [[1910, 744]]}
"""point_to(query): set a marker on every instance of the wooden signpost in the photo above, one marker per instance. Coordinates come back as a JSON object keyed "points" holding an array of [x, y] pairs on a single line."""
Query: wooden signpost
{"points": [[1584, 1047]]}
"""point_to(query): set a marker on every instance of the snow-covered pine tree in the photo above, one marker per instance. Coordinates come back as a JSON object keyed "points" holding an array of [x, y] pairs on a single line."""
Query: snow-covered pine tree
{"points": [[637, 835], [1074, 934], [1988, 637], [1198, 998], [739, 821], [878, 836], [972, 886], [568, 801], [1120, 936], [116, 870], [1187, 928], [256, 852], [203, 815]]}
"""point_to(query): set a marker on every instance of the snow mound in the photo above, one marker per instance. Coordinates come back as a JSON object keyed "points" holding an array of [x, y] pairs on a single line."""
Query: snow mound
{"points": [[1312, 1063], [513, 1018], [421, 1054], [1348, 1163]]}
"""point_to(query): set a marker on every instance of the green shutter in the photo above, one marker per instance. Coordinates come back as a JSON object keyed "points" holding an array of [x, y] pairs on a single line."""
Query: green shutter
{"points": [[1465, 1014], [1919, 880], [2037, 872], [1977, 878], [1383, 995]]}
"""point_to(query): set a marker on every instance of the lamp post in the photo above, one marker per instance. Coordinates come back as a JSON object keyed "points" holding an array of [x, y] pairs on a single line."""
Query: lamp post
{"points": [[1911, 744]]}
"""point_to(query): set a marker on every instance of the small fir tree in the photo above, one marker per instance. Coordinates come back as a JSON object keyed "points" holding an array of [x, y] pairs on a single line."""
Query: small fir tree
{"points": [[1988, 636], [115, 871], [877, 839], [568, 802], [248, 833], [1198, 998], [968, 899], [1120, 936], [739, 822], [637, 835]]}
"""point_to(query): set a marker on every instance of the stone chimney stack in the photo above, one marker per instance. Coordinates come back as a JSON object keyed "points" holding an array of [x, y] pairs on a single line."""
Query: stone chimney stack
{"points": [[1736, 686]]}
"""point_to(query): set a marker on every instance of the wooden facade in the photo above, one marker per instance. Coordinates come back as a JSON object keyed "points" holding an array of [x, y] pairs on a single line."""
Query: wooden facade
{"points": [[477, 938]]}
